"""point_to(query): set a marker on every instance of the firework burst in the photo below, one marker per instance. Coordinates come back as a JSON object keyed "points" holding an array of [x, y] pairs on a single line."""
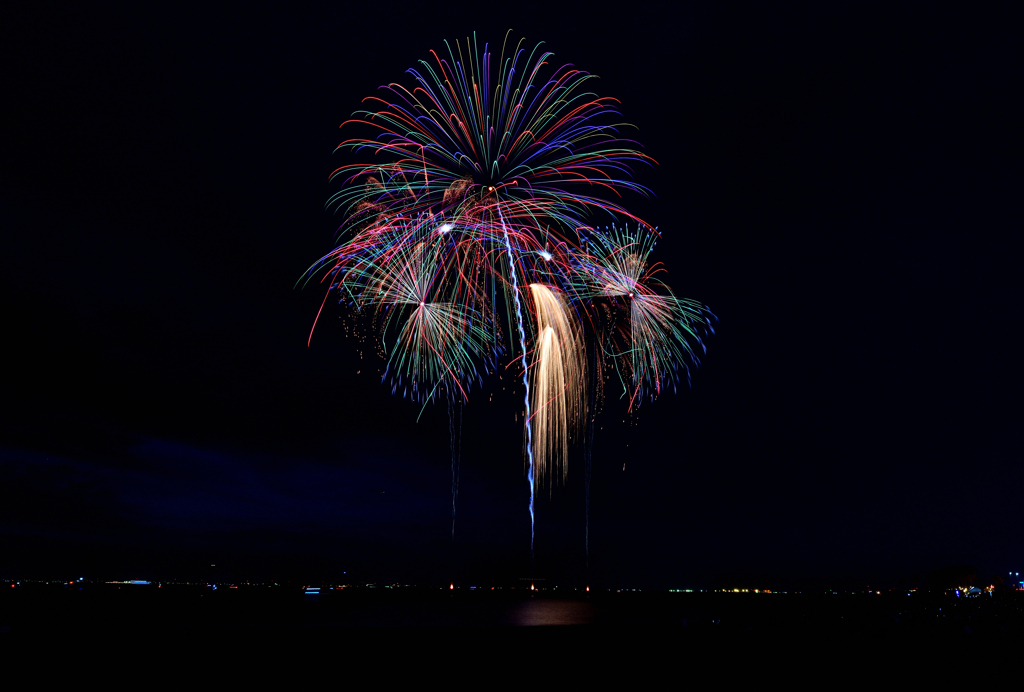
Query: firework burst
{"points": [[660, 333], [485, 178], [469, 135]]}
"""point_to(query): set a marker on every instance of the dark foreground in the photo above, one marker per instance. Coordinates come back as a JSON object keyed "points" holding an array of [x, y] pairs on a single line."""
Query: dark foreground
{"points": [[109, 609]]}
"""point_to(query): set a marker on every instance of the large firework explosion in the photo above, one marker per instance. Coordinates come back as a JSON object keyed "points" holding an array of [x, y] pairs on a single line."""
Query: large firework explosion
{"points": [[473, 238]]}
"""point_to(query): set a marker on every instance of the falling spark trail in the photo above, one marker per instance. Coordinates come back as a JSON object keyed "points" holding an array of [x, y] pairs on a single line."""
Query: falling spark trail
{"points": [[556, 381], [526, 377]]}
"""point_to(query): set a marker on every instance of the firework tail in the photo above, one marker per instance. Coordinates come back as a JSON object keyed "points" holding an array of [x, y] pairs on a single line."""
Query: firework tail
{"points": [[526, 376]]}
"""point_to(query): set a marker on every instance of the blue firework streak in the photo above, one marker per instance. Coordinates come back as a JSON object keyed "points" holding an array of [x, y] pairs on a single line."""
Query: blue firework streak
{"points": [[487, 176]]}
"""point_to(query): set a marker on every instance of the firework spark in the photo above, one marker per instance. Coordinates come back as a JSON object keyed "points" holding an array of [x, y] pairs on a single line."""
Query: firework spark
{"points": [[661, 332], [485, 178], [473, 134], [557, 380]]}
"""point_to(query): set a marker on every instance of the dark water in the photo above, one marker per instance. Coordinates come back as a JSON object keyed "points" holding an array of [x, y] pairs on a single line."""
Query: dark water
{"points": [[109, 609]]}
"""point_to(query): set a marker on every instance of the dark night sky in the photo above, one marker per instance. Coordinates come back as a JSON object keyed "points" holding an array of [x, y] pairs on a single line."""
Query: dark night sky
{"points": [[840, 183]]}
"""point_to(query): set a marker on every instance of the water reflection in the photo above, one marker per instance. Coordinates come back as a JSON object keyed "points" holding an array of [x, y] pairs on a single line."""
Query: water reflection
{"points": [[551, 612]]}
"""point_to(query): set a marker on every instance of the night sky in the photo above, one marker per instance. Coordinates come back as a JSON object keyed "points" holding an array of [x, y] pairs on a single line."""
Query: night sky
{"points": [[839, 183]]}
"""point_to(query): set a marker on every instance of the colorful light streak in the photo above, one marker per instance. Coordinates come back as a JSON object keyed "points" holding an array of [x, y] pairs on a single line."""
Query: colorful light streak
{"points": [[486, 176], [557, 379]]}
